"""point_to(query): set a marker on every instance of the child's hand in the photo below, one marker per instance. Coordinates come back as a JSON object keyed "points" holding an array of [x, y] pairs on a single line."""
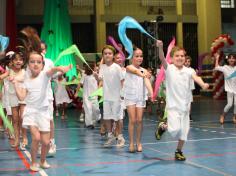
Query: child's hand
{"points": [[205, 86], [159, 44], [217, 55], [95, 74], [67, 68]]}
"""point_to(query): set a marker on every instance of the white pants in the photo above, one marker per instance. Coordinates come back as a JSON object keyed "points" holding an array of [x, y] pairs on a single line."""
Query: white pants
{"points": [[112, 110], [178, 123], [92, 112], [231, 98]]}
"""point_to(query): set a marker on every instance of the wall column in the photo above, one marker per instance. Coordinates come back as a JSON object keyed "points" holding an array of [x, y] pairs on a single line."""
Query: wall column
{"points": [[100, 25], [209, 23], [179, 32]]}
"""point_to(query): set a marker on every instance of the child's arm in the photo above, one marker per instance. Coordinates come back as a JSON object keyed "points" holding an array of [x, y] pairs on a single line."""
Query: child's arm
{"points": [[200, 82], [217, 57], [77, 90], [159, 44], [20, 91], [4, 75], [149, 87], [134, 70], [62, 69]]}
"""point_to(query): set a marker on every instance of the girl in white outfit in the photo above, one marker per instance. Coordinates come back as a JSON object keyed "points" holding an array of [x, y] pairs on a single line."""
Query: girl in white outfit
{"points": [[91, 108], [61, 96], [230, 84], [36, 115], [135, 96], [16, 72]]}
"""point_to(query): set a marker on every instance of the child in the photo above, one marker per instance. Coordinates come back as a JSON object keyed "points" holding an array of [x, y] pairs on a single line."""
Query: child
{"points": [[230, 84], [178, 91], [16, 72], [36, 114], [91, 108], [110, 76], [119, 124], [61, 96], [135, 97]]}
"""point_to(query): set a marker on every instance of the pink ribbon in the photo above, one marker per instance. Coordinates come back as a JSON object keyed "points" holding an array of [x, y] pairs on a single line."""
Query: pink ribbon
{"points": [[112, 41], [161, 76]]}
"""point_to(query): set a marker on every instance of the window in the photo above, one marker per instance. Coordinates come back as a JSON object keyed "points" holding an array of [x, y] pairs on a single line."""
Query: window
{"points": [[227, 3]]}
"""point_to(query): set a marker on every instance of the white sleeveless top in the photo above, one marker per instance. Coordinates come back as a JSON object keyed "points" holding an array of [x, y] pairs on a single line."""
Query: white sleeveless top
{"points": [[134, 87]]}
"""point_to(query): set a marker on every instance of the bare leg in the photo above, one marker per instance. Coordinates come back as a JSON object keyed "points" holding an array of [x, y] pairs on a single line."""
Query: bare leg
{"points": [[35, 135], [132, 121], [139, 129]]}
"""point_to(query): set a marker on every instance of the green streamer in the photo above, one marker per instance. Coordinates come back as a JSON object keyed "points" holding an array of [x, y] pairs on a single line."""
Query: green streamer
{"points": [[80, 92], [98, 92], [6, 122]]}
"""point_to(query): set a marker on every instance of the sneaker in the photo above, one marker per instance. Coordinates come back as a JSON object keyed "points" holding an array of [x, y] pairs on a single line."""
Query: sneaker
{"points": [[81, 117], [110, 141], [120, 141], [179, 155], [22, 146], [34, 168], [45, 165], [53, 149], [160, 130]]}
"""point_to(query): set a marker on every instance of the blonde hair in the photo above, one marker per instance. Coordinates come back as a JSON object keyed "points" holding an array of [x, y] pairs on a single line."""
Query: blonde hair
{"points": [[175, 49], [109, 47]]}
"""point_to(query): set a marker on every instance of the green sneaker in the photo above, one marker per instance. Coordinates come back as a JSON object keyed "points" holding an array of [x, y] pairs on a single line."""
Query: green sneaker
{"points": [[160, 130], [179, 156]]}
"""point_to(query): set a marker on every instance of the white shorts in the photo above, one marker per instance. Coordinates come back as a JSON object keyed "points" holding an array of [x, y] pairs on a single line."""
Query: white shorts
{"points": [[112, 110], [39, 118], [178, 123], [137, 103]]}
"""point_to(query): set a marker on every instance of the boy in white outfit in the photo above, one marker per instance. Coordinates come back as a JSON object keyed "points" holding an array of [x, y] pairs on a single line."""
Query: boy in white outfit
{"points": [[178, 89], [110, 75]]}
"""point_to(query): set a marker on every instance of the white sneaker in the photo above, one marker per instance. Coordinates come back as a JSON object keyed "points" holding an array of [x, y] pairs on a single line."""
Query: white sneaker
{"points": [[53, 149], [110, 141], [81, 117], [120, 142], [22, 146], [34, 168], [45, 165]]}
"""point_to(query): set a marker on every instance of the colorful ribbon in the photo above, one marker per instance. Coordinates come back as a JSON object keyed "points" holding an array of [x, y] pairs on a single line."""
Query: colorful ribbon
{"points": [[129, 22], [112, 41], [6, 122], [4, 42]]}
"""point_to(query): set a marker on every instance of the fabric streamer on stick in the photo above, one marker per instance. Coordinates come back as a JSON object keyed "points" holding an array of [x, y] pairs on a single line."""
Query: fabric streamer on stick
{"points": [[98, 92], [80, 92], [6, 122], [112, 41], [4, 42], [72, 50], [232, 75], [129, 22]]}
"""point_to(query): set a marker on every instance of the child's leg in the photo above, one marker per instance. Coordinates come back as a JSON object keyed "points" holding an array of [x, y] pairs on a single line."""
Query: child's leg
{"points": [[35, 135], [132, 120], [234, 118], [139, 128], [227, 107], [45, 140], [180, 145], [24, 131], [15, 120]]}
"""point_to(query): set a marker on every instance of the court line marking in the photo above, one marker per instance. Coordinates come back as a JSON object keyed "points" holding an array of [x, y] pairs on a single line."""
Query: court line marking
{"points": [[193, 163]]}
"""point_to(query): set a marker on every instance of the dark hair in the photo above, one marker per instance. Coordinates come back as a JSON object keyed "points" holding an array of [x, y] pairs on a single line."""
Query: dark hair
{"points": [[43, 42], [87, 70]]}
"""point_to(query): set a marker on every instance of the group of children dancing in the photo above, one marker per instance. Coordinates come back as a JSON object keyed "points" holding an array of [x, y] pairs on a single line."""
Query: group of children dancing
{"points": [[28, 98]]}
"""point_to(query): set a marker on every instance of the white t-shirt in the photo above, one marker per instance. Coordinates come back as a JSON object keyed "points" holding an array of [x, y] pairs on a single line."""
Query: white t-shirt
{"points": [[111, 77], [90, 85], [36, 95], [230, 84], [178, 87]]}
